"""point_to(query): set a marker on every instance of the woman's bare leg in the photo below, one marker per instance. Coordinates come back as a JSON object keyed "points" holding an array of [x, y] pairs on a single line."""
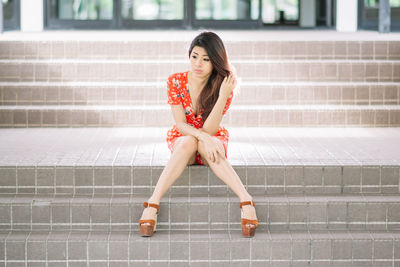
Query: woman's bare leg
{"points": [[184, 154], [227, 174]]}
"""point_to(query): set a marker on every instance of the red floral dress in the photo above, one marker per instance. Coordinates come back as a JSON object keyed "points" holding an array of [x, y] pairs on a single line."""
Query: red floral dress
{"points": [[178, 93]]}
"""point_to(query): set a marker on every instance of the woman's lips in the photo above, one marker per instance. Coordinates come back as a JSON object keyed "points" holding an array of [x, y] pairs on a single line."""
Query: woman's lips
{"points": [[198, 71]]}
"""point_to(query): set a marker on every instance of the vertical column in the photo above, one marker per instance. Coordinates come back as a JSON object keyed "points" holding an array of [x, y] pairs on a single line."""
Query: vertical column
{"points": [[384, 16], [32, 15], [346, 15], [307, 13]]}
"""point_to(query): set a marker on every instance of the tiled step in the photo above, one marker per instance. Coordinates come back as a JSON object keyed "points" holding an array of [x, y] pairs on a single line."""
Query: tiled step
{"points": [[237, 116], [137, 93], [200, 248], [268, 161], [202, 211], [261, 179], [268, 49], [145, 70]]}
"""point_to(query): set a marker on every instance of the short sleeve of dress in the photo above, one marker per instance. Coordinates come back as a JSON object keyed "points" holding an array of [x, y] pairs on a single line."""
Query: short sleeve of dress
{"points": [[173, 93], [228, 103]]}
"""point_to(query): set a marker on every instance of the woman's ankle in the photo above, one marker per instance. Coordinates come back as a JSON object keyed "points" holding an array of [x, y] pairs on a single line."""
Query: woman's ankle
{"points": [[246, 198], [153, 200]]}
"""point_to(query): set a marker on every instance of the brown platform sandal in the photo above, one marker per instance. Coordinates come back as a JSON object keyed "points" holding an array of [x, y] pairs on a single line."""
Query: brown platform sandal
{"points": [[148, 230], [248, 226]]}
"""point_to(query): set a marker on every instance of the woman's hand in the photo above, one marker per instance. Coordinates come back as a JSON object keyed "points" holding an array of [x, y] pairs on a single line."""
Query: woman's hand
{"points": [[227, 86], [214, 148]]}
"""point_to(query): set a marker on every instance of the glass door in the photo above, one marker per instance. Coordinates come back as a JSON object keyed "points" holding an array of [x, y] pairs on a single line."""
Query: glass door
{"points": [[114, 14], [226, 13], [11, 14], [369, 14], [280, 12], [128, 14], [80, 14], [152, 13]]}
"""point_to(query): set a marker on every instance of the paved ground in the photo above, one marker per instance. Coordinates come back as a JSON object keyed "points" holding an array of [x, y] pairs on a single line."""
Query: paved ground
{"points": [[248, 146]]}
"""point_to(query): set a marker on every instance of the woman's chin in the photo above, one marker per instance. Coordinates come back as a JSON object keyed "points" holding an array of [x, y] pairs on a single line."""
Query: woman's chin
{"points": [[197, 73], [201, 74]]}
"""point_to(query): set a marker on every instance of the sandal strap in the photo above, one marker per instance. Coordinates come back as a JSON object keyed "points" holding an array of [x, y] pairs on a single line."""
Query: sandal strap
{"points": [[153, 205], [244, 203]]}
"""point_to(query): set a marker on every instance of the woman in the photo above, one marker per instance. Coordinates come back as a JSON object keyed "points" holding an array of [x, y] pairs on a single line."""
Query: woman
{"points": [[199, 98]]}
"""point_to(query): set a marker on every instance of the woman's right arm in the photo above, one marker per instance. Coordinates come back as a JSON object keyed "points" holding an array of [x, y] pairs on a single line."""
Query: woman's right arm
{"points": [[180, 120]]}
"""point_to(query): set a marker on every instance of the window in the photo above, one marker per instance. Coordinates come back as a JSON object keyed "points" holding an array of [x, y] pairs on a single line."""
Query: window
{"points": [[227, 10], [152, 9], [375, 3], [11, 14], [370, 14], [82, 9], [280, 11]]}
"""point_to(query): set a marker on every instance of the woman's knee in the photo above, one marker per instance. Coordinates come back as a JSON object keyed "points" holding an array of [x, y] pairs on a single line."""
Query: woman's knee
{"points": [[188, 143]]}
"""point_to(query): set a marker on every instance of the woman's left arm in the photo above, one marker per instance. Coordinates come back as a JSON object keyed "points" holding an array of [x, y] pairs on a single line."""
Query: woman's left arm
{"points": [[211, 125], [213, 120]]}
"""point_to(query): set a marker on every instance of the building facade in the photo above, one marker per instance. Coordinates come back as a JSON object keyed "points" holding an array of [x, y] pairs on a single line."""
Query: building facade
{"points": [[38, 15]]}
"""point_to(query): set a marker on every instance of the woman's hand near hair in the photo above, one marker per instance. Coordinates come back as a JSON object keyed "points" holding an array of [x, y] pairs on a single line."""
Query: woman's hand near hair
{"points": [[213, 148], [227, 86], [213, 121]]}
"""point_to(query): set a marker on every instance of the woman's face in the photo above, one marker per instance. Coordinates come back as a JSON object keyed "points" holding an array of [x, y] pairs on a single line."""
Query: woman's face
{"points": [[200, 62]]}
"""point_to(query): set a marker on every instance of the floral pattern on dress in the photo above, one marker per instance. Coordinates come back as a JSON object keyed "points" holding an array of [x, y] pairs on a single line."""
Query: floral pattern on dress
{"points": [[178, 93]]}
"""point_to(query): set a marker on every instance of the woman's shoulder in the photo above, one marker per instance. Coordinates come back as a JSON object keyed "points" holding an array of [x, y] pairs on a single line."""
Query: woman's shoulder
{"points": [[177, 80], [178, 76]]}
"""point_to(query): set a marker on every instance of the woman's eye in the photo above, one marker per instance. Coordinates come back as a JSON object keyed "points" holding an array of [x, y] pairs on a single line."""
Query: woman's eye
{"points": [[206, 59], [193, 56]]}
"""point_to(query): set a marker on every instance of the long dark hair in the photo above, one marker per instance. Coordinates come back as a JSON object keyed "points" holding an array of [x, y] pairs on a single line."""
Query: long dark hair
{"points": [[219, 59]]}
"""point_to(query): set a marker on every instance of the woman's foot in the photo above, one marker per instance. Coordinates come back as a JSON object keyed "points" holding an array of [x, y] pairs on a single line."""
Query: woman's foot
{"points": [[249, 218], [148, 221], [249, 212], [149, 213]]}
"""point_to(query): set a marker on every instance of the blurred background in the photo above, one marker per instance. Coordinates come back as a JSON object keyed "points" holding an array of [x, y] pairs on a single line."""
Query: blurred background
{"points": [[188, 14]]}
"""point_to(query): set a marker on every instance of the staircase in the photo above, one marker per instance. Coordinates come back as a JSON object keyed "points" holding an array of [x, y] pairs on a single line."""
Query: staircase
{"points": [[314, 139]]}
